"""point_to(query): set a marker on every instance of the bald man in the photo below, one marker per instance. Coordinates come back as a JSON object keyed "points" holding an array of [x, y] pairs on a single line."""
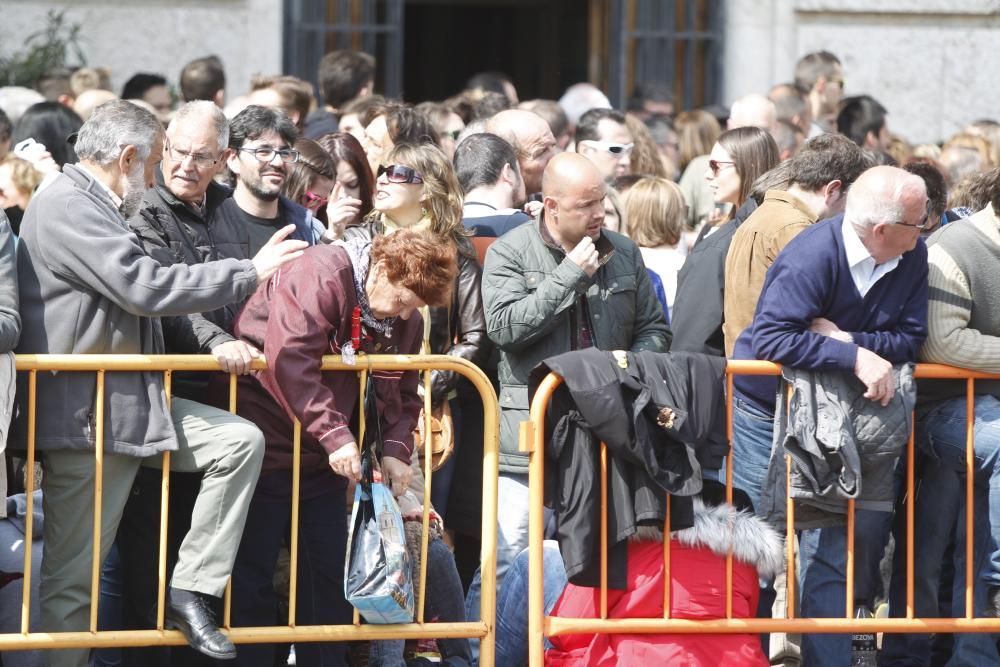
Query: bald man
{"points": [[752, 111], [558, 283], [848, 295], [532, 140]]}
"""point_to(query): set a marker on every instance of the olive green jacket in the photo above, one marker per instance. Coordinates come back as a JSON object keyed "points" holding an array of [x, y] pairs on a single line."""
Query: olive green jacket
{"points": [[533, 295]]}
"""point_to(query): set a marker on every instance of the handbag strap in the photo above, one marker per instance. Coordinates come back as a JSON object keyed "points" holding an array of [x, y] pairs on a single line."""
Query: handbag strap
{"points": [[371, 447]]}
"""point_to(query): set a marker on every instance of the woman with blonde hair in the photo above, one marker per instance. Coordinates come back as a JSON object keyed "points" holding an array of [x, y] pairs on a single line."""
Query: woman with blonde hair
{"points": [[655, 211], [416, 188]]}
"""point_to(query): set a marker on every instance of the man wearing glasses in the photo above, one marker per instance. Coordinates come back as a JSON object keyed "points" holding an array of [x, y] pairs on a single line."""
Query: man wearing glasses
{"points": [[181, 222], [603, 138], [847, 294]]}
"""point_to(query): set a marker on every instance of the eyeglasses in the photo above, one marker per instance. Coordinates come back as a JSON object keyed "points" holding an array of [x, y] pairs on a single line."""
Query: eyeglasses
{"points": [[199, 159], [610, 146], [924, 222], [716, 165], [399, 174], [266, 154], [453, 135], [313, 199]]}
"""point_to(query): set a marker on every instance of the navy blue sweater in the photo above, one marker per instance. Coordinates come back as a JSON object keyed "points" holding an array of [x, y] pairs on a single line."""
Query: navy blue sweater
{"points": [[810, 279]]}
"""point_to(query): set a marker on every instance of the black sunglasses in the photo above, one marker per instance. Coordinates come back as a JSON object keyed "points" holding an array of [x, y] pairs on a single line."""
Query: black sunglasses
{"points": [[400, 174]]}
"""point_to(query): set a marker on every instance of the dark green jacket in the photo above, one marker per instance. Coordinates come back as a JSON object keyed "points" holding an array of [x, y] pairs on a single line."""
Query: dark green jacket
{"points": [[533, 294]]}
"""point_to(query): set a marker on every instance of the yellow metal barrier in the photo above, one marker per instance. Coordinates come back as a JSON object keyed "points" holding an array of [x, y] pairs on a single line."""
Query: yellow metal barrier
{"points": [[102, 364], [541, 626]]}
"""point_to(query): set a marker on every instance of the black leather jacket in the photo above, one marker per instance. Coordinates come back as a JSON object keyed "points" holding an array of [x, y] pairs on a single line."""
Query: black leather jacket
{"points": [[458, 329]]}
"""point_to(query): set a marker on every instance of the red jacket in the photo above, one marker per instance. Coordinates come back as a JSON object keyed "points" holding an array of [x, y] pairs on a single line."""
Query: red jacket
{"points": [[697, 591], [302, 313]]}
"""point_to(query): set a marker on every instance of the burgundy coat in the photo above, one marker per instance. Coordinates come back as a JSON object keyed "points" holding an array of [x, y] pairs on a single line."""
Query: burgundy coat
{"points": [[302, 313]]}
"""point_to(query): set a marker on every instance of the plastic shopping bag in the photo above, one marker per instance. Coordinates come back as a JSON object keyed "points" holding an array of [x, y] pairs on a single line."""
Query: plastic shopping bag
{"points": [[378, 579]]}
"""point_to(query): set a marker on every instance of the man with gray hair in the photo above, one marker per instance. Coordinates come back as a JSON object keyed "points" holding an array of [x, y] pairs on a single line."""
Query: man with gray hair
{"points": [[846, 294], [178, 224], [87, 287]]}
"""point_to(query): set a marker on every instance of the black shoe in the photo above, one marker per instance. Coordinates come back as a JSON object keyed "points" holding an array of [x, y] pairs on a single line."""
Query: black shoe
{"points": [[992, 603], [191, 613]]}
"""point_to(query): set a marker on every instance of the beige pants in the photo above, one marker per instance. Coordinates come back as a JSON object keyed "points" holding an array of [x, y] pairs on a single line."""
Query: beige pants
{"points": [[229, 451]]}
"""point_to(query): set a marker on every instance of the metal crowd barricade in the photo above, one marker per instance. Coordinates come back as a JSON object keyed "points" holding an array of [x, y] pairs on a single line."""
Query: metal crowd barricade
{"points": [[484, 630], [541, 626]]}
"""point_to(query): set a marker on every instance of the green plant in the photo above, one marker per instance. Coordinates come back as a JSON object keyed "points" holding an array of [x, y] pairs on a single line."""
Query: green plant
{"points": [[43, 50]]}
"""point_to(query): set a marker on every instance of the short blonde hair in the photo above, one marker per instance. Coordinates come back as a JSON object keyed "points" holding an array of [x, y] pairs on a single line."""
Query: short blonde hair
{"points": [[23, 174], [654, 209]]}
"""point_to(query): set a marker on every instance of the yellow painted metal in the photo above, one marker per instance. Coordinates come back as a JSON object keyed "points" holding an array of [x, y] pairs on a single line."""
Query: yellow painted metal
{"points": [[541, 626], [483, 630]]}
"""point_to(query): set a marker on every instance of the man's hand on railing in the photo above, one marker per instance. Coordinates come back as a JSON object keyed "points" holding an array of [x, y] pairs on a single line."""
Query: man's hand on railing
{"points": [[277, 252], [877, 375], [235, 356], [346, 461]]}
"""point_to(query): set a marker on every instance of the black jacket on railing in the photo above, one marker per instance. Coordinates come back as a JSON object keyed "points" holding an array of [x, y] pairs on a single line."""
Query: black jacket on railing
{"points": [[659, 415]]}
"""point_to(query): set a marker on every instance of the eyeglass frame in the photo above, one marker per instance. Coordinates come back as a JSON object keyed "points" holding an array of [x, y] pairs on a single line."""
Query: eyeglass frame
{"points": [[615, 148], [924, 224], [413, 178], [198, 159], [713, 165], [281, 152]]}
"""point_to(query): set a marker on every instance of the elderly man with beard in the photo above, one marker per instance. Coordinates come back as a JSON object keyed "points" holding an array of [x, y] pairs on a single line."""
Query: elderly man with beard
{"points": [[86, 287]]}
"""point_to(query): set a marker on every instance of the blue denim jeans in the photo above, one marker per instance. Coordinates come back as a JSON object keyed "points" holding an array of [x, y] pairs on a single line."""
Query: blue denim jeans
{"points": [[823, 580], [942, 431], [444, 603], [512, 608], [753, 433], [512, 538], [937, 503]]}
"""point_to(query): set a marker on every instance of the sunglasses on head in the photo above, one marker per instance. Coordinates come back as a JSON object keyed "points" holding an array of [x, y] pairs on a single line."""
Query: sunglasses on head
{"points": [[399, 174]]}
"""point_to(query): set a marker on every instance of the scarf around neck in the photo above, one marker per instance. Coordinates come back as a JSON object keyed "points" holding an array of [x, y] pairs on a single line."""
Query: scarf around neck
{"points": [[359, 251]]}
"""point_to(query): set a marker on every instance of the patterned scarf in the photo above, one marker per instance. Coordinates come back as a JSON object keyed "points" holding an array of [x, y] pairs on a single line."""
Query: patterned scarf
{"points": [[360, 253]]}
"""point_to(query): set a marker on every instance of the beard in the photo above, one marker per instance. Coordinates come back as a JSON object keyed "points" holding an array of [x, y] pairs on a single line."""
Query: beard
{"points": [[254, 182], [135, 188]]}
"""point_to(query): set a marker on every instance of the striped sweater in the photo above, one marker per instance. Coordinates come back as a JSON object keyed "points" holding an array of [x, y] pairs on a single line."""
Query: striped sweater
{"points": [[964, 303]]}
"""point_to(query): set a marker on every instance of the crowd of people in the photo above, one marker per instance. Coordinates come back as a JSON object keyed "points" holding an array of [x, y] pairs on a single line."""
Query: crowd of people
{"points": [[632, 251]]}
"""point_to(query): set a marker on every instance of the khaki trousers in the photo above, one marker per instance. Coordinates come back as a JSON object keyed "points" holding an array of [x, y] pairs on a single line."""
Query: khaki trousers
{"points": [[229, 451]]}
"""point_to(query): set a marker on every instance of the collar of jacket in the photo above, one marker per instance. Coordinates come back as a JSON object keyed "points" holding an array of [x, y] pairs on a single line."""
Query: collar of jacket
{"points": [[214, 195], [82, 179], [605, 248]]}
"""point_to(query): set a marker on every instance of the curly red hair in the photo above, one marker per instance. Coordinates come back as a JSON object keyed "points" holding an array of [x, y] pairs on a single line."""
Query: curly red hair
{"points": [[422, 262]]}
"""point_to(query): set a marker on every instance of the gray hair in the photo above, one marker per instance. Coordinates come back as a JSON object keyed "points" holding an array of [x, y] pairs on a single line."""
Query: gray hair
{"points": [[113, 126], [868, 206], [207, 110]]}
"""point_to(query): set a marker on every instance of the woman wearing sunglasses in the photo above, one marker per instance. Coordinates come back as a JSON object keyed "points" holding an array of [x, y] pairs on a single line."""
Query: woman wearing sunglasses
{"points": [[737, 159], [416, 188]]}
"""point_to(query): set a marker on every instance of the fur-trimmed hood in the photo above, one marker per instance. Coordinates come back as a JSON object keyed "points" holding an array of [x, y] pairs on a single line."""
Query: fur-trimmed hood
{"points": [[721, 527]]}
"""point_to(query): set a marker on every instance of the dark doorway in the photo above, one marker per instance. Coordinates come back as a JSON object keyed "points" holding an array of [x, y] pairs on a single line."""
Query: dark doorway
{"points": [[540, 44]]}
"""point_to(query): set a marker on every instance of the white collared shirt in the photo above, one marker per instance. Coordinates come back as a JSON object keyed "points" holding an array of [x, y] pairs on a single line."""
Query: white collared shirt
{"points": [[864, 271]]}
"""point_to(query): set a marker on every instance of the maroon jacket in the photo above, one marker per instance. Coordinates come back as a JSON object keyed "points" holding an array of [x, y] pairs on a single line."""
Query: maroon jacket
{"points": [[302, 313]]}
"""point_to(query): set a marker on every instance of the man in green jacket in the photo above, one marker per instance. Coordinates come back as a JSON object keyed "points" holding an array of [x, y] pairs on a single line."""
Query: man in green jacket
{"points": [[559, 283]]}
